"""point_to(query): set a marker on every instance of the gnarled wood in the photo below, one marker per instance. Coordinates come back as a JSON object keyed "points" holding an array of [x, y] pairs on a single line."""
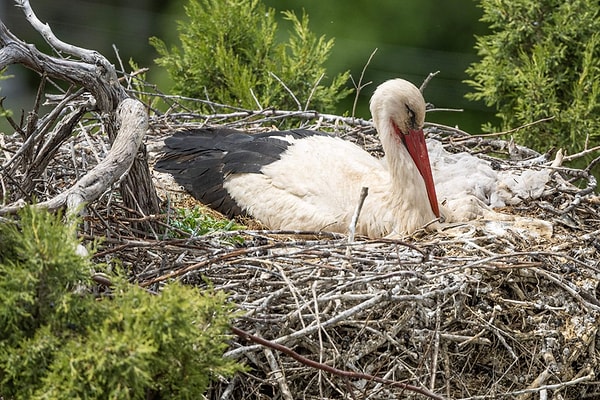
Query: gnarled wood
{"points": [[44, 135], [133, 121], [99, 77]]}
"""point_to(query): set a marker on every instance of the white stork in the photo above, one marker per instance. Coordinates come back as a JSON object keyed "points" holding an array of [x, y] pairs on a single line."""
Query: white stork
{"points": [[309, 180]]}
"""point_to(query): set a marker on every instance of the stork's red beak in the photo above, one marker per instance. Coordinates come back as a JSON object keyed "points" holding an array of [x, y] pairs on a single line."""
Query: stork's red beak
{"points": [[414, 141]]}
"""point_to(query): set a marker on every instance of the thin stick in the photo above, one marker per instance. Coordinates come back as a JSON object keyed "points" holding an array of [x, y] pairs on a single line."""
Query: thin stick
{"points": [[567, 287], [323, 367], [277, 374], [518, 128], [46, 32], [126, 77], [445, 109], [364, 191], [436, 350], [581, 153], [360, 85], [426, 81], [287, 89], [260, 107], [313, 90]]}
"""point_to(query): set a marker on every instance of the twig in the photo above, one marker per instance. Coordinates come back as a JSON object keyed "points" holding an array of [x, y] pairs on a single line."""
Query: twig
{"points": [[444, 109], [359, 87], [312, 91], [277, 374], [381, 297], [544, 375], [256, 101], [126, 77], [287, 89], [582, 153], [463, 134], [364, 191], [426, 81], [230, 389], [86, 55], [317, 315], [513, 130], [436, 349], [567, 287], [323, 367], [295, 293]]}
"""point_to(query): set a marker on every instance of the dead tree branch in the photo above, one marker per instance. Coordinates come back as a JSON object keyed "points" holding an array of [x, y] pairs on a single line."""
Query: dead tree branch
{"points": [[133, 122], [97, 75], [123, 118]]}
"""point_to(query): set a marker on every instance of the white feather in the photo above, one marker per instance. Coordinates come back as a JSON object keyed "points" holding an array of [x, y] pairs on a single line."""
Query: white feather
{"points": [[458, 175], [316, 186]]}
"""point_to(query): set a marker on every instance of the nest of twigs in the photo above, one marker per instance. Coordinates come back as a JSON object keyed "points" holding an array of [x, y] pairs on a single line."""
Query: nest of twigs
{"points": [[471, 316]]}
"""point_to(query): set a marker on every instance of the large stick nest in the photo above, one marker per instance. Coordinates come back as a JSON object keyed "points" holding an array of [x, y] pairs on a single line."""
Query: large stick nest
{"points": [[472, 316]]}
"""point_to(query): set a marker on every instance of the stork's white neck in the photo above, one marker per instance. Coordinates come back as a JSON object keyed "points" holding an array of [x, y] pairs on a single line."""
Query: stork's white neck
{"points": [[408, 199]]}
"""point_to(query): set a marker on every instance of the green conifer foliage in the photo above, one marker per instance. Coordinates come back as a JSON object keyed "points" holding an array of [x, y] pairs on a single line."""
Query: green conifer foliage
{"points": [[230, 54], [542, 59], [58, 340]]}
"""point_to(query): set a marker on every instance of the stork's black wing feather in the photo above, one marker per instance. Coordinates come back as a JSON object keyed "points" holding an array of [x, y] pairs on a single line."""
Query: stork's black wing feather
{"points": [[201, 159]]}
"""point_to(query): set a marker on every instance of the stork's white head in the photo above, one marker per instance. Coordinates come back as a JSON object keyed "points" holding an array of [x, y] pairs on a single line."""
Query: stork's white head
{"points": [[399, 101], [398, 111]]}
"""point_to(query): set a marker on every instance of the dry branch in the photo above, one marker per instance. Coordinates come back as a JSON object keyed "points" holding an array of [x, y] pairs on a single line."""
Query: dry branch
{"points": [[133, 122], [96, 75], [123, 117]]}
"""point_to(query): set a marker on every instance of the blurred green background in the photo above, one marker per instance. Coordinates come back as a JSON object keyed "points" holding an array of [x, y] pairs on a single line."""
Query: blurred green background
{"points": [[413, 38]]}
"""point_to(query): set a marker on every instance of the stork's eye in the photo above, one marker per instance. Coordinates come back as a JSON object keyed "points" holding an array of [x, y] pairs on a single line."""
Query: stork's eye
{"points": [[412, 116]]}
